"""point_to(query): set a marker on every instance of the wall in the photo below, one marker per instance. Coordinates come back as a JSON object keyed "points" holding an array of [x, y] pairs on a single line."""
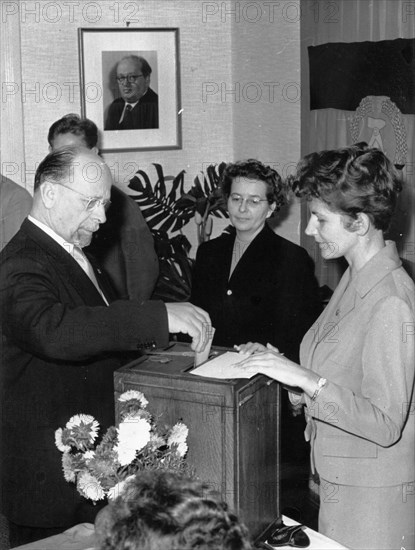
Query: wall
{"points": [[214, 48], [266, 75]]}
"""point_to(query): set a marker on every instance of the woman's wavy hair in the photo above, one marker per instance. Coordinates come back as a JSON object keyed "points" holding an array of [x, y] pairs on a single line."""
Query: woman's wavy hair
{"points": [[254, 170], [162, 510], [351, 180]]}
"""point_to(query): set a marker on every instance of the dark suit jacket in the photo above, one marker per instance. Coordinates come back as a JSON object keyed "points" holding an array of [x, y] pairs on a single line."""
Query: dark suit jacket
{"points": [[145, 114], [60, 347], [272, 295], [124, 248]]}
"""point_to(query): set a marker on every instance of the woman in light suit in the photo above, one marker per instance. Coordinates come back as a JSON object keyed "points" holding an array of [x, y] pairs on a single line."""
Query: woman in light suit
{"points": [[356, 372]]}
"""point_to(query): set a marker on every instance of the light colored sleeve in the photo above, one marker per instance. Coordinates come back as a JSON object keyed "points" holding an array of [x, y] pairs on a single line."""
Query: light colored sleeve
{"points": [[378, 412]]}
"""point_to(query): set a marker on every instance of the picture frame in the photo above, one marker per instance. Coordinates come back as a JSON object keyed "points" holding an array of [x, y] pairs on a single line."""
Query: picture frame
{"points": [[154, 121]]}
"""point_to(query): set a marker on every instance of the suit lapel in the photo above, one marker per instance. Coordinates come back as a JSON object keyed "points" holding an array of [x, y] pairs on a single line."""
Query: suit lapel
{"points": [[63, 263], [103, 282], [326, 328], [223, 259]]}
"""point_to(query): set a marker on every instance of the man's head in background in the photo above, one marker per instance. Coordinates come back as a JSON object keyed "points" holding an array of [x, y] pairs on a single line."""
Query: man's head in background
{"points": [[72, 130]]}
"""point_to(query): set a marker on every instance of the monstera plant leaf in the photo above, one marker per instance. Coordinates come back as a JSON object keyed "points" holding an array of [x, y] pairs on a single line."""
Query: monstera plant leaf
{"points": [[168, 212], [174, 282], [160, 209], [205, 196]]}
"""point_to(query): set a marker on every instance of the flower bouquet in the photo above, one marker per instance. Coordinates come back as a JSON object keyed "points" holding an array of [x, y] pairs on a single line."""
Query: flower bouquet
{"points": [[101, 469]]}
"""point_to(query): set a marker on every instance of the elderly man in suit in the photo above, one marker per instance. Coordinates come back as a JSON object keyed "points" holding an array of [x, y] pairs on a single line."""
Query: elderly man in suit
{"points": [[63, 336], [138, 107], [123, 245]]}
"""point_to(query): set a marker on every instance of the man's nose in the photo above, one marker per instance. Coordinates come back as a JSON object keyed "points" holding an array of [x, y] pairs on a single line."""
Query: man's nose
{"points": [[100, 213]]}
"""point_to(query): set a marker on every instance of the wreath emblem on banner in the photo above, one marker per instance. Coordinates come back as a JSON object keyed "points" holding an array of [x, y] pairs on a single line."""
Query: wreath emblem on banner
{"points": [[379, 122]]}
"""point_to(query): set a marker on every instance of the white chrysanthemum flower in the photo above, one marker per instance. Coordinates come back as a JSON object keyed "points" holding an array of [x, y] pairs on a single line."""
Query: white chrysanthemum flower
{"points": [[133, 435], [68, 472], [58, 441], [90, 487], [89, 454], [118, 489], [80, 421], [178, 436], [134, 394]]}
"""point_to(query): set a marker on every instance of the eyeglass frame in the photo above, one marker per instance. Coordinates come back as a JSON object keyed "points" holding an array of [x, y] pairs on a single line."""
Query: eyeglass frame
{"points": [[249, 201], [106, 203], [130, 78]]}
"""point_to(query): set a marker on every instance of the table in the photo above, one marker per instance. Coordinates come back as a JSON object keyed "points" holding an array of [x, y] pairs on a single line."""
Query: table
{"points": [[81, 537]]}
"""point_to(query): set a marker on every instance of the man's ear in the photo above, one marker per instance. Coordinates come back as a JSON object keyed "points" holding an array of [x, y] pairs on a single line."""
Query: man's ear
{"points": [[95, 150], [48, 193]]}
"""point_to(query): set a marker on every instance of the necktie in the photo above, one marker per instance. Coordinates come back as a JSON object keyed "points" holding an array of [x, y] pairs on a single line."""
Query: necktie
{"points": [[127, 114], [127, 119], [82, 260]]}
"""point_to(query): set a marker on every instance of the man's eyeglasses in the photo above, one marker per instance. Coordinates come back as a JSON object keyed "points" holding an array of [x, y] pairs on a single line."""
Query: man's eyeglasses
{"points": [[249, 201], [130, 78], [92, 202]]}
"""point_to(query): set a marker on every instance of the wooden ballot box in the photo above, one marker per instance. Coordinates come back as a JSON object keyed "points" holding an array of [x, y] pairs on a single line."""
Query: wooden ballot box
{"points": [[234, 427]]}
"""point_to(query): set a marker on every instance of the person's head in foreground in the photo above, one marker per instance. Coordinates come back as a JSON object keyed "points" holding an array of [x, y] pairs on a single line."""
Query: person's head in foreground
{"points": [[253, 192], [164, 511], [352, 193]]}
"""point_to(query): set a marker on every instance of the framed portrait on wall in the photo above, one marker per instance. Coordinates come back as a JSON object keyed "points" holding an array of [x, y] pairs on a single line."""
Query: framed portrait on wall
{"points": [[130, 87]]}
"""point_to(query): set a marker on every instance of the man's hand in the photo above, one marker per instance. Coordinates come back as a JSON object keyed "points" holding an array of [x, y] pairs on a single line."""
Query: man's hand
{"points": [[192, 320]]}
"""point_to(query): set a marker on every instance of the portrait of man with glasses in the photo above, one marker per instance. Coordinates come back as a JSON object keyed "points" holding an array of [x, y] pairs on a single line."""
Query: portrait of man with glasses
{"points": [[137, 108]]}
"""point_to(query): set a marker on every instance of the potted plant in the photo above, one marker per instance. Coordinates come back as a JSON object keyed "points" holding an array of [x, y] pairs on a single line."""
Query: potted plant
{"points": [[167, 212]]}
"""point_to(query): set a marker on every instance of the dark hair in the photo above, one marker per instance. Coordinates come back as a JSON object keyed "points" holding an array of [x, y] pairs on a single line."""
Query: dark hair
{"points": [[160, 509], [144, 65], [56, 166], [254, 170], [74, 124], [351, 180]]}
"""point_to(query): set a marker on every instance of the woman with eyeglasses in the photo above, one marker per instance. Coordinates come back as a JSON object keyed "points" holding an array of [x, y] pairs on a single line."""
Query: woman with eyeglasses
{"points": [[256, 285], [356, 375]]}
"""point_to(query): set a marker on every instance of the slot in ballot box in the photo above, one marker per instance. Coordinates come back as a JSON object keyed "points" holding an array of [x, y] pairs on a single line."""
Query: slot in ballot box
{"points": [[234, 427]]}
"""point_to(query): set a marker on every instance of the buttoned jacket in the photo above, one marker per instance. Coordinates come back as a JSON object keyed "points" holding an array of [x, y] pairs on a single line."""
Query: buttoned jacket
{"points": [[361, 425]]}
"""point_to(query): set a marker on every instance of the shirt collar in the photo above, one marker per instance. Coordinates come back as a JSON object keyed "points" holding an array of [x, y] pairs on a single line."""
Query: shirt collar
{"points": [[132, 104], [378, 267]]}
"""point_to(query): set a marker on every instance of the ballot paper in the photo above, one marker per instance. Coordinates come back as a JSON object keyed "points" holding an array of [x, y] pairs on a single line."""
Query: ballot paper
{"points": [[202, 356], [223, 366]]}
